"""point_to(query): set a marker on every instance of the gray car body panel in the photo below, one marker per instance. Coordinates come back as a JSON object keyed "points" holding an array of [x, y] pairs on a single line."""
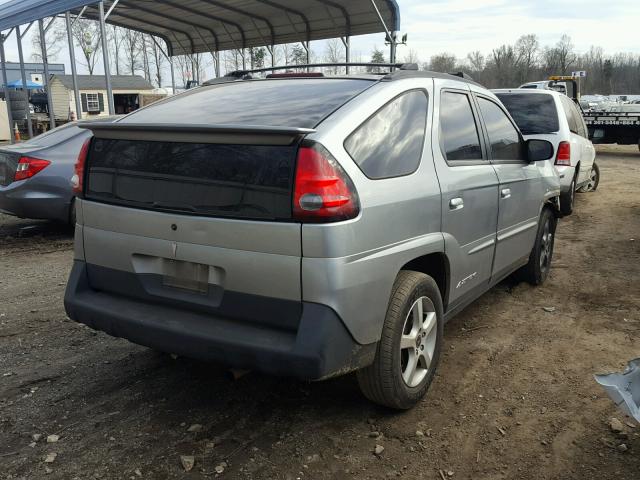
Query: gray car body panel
{"points": [[350, 266], [48, 194]]}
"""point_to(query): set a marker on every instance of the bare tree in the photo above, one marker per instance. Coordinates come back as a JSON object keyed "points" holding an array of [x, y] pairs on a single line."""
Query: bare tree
{"points": [[115, 38], [334, 53], [527, 47], [566, 54], [503, 63], [476, 61], [443, 62], [131, 43], [411, 57], [54, 41], [86, 34], [158, 60]]}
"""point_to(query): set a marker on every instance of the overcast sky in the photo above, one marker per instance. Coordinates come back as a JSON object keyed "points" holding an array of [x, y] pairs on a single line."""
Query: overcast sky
{"points": [[461, 26]]}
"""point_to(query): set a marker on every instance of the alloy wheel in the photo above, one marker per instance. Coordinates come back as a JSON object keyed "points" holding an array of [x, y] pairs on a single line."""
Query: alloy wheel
{"points": [[546, 247], [593, 177], [418, 341]]}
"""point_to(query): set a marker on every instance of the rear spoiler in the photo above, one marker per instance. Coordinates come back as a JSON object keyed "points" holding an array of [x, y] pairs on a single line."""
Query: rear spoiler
{"points": [[198, 133]]}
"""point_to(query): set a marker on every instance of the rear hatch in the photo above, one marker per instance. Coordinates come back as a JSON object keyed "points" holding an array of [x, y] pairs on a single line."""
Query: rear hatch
{"points": [[199, 216]]}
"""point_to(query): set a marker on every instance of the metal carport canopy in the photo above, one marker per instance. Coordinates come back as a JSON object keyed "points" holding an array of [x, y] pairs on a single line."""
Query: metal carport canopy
{"points": [[194, 26]]}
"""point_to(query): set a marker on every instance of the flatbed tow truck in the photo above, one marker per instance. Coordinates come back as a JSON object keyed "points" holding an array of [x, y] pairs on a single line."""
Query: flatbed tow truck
{"points": [[620, 125]]}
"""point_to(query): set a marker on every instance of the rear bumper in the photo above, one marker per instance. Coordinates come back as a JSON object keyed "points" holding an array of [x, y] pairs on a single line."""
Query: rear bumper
{"points": [[566, 174], [320, 347], [23, 200]]}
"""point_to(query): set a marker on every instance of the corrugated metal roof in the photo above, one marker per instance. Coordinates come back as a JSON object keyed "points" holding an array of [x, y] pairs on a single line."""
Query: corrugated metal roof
{"points": [[192, 26], [97, 82]]}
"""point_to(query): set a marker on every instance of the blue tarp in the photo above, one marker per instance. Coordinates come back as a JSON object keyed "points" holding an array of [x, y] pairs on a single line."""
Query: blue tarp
{"points": [[30, 85]]}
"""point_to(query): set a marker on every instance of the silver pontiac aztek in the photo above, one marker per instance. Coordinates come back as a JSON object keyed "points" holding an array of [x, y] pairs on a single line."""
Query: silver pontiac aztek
{"points": [[309, 226]]}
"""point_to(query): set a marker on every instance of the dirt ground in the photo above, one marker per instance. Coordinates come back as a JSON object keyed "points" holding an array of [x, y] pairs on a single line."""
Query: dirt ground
{"points": [[514, 397]]}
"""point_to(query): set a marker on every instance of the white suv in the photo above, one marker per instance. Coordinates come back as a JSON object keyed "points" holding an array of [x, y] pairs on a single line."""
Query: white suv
{"points": [[552, 116]]}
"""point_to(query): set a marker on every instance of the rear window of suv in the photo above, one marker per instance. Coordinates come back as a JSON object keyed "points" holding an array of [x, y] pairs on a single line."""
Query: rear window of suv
{"points": [[300, 102], [533, 113]]}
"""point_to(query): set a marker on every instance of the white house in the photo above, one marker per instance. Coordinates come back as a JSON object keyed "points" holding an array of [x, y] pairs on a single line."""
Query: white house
{"points": [[129, 93]]}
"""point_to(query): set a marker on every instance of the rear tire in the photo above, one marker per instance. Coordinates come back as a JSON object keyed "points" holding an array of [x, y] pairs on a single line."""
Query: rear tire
{"points": [[537, 270], [409, 349], [594, 179], [567, 198]]}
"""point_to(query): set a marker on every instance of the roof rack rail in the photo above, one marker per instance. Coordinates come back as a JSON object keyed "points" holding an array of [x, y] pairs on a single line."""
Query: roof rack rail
{"points": [[399, 66], [462, 75]]}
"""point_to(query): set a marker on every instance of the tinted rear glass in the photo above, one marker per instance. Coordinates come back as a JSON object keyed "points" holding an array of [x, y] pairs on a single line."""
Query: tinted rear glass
{"points": [[285, 102], [534, 114], [240, 181]]}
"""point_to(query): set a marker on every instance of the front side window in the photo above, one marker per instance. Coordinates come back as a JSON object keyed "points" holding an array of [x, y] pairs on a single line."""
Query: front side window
{"points": [[389, 144], [458, 129], [503, 136]]}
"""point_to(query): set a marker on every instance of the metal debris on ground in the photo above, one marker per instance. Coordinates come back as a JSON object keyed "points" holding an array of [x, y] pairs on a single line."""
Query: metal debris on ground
{"points": [[624, 388]]}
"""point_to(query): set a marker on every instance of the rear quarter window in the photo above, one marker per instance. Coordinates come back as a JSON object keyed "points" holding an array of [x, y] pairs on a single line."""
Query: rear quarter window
{"points": [[534, 114], [389, 144]]}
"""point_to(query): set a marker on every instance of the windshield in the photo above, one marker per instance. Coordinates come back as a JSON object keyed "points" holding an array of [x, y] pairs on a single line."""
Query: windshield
{"points": [[535, 114]]}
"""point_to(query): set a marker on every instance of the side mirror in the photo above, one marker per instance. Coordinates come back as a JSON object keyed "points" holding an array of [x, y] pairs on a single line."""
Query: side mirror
{"points": [[538, 150]]}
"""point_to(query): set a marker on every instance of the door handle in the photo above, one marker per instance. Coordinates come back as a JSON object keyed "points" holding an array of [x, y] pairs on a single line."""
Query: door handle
{"points": [[456, 203], [505, 193]]}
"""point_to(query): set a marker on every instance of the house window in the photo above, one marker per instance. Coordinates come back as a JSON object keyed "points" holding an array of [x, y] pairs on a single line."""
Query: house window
{"points": [[93, 104]]}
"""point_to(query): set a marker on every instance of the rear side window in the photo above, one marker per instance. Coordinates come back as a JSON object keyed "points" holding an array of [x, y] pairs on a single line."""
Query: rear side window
{"points": [[458, 128], [239, 181], [534, 114], [574, 117], [504, 138], [568, 111], [389, 144]]}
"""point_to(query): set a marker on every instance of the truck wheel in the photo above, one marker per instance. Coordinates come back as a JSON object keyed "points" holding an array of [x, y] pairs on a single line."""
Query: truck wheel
{"points": [[409, 348], [594, 179], [567, 199], [536, 271]]}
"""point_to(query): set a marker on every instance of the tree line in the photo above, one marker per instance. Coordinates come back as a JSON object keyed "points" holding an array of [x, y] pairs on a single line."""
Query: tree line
{"points": [[508, 65], [527, 60]]}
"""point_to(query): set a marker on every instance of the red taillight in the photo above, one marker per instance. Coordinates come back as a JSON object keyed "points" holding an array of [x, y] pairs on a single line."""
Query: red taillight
{"points": [[564, 154], [323, 192], [28, 167], [78, 176]]}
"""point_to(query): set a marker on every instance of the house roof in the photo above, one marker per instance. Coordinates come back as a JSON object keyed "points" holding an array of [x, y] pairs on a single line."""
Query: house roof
{"points": [[97, 82]]}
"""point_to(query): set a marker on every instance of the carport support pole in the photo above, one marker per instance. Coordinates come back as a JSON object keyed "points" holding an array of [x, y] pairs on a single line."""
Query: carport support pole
{"points": [[105, 59], [45, 61], [24, 80], [392, 47], [6, 89], [74, 73], [173, 75], [347, 52]]}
